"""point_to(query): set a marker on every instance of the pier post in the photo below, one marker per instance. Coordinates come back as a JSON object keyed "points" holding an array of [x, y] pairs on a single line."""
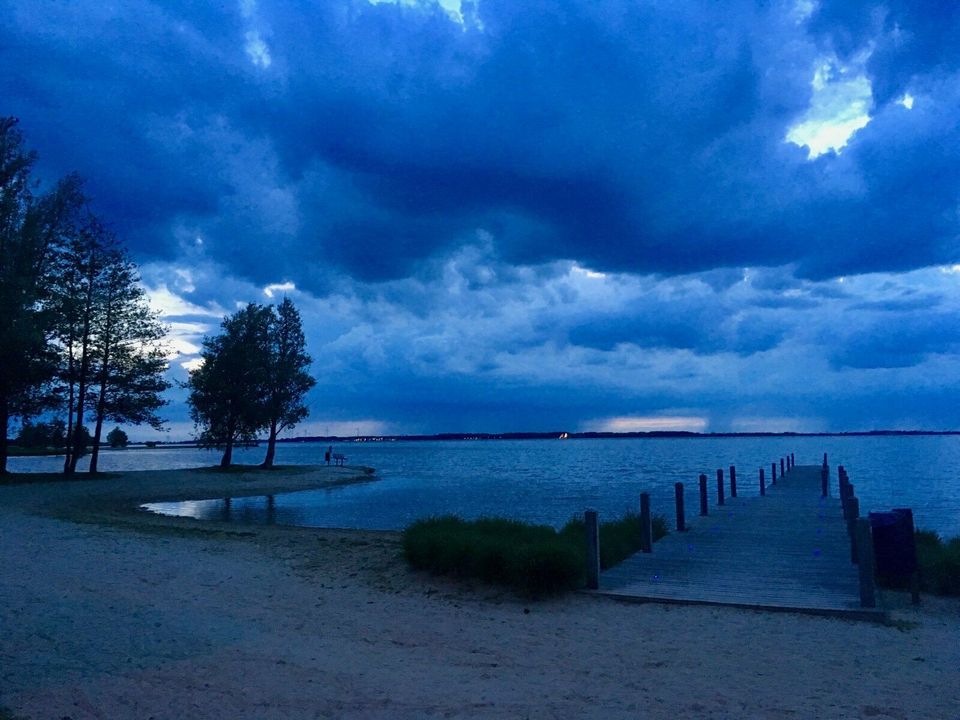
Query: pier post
{"points": [[763, 484], [851, 518], [793, 460], [773, 473], [824, 482], [733, 481], [646, 528], [824, 458], [591, 521], [681, 516], [868, 594], [703, 495], [781, 467], [720, 486]]}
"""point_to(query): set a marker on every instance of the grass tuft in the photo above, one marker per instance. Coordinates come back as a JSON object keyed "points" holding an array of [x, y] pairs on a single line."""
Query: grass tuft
{"points": [[535, 560]]}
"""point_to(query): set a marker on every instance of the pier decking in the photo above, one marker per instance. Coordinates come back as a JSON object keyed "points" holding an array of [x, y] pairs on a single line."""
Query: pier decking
{"points": [[788, 550]]}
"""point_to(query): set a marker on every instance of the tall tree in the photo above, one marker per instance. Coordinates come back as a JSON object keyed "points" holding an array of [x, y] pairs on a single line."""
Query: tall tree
{"points": [[78, 299], [287, 377], [128, 357], [227, 391], [31, 229]]}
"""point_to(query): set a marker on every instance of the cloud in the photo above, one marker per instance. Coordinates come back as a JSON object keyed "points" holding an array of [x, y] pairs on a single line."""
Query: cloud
{"points": [[501, 215]]}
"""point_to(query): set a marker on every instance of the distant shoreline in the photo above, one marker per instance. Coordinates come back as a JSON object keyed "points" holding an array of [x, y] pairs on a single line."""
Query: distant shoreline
{"points": [[441, 437]]}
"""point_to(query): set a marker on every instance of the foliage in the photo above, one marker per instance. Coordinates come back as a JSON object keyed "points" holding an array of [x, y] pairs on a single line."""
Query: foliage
{"points": [[52, 434], [75, 330], [533, 559], [117, 438], [227, 391], [619, 539], [287, 377], [31, 229], [939, 563]]}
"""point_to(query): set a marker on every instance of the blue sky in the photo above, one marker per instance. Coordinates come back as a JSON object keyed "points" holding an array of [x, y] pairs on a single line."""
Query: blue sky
{"points": [[501, 216]]}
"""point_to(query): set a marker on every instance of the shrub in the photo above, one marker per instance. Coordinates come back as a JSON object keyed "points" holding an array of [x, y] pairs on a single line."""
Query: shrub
{"points": [[533, 559], [939, 563]]}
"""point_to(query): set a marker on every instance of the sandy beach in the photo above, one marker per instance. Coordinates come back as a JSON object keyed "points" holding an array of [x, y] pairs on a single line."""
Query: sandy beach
{"points": [[110, 613]]}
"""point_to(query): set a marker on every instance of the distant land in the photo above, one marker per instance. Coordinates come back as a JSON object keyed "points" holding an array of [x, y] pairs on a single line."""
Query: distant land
{"points": [[557, 434]]}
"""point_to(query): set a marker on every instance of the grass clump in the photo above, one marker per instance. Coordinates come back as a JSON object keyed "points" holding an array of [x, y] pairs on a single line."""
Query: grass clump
{"points": [[939, 562], [535, 560]]}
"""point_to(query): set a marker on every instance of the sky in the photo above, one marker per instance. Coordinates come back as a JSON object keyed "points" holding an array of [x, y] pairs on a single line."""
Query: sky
{"points": [[577, 215]]}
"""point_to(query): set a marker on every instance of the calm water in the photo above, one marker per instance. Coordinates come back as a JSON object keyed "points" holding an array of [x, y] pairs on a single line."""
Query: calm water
{"points": [[550, 481]]}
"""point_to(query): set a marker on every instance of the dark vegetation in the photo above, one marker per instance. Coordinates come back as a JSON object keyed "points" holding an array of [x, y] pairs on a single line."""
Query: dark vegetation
{"points": [[253, 379], [939, 563], [78, 341], [534, 560]]}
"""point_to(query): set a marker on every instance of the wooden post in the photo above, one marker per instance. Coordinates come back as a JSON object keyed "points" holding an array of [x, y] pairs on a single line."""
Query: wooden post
{"points": [[720, 486], [824, 482], [824, 458], [703, 495], [763, 484], [646, 528], [733, 481], [781, 467], [868, 593], [773, 473], [793, 460], [681, 516], [591, 521], [854, 515]]}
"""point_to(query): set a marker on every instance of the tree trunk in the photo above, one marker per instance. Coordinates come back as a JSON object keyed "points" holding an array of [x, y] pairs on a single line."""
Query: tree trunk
{"points": [[68, 438], [4, 419], [271, 446], [227, 454], [95, 450]]}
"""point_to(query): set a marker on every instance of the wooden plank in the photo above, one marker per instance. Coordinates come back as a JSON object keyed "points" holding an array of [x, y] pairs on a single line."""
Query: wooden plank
{"points": [[787, 550]]}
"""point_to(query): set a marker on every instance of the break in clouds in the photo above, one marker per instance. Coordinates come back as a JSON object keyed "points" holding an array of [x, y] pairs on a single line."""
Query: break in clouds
{"points": [[504, 216]]}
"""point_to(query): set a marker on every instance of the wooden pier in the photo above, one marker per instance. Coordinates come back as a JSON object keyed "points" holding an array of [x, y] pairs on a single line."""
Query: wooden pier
{"points": [[788, 549]]}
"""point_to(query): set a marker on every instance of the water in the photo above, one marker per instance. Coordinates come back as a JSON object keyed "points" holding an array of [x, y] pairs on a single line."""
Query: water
{"points": [[551, 481]]}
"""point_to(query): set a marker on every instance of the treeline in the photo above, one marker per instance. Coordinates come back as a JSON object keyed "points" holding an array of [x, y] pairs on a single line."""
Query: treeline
{"points": [[252, 380], [77, 336]]}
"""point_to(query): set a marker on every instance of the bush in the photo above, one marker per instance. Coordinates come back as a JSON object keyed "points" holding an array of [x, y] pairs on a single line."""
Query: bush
{"points": [[117, 438], [939, 563], [533, 559]]}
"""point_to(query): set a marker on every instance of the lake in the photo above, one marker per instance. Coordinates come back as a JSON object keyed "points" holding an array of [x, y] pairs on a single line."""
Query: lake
{"points": [[549, 481]]}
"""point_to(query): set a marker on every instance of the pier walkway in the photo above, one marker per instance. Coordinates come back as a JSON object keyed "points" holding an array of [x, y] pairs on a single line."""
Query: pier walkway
{"points": [[787, 550]]}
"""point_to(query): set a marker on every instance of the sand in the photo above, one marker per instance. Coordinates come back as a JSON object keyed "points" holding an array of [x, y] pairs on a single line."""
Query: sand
{"points": [[107, 613]]}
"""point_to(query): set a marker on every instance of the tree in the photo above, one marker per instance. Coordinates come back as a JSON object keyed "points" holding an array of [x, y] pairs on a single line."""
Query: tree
{"points": [[287, 377], [128, 355], [227, 391], [77, 299], [117, 438], [31, 230], [51, 434]]}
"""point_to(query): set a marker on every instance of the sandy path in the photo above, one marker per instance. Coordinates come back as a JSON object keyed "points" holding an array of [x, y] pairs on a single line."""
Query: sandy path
{"points": [[112, 622]]}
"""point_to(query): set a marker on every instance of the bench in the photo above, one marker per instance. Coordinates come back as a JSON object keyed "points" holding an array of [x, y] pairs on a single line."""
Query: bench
{"points": [[339, 458]]}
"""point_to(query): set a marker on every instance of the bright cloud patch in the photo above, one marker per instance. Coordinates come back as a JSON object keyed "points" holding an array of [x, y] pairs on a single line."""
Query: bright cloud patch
{"points": [[840, 106], [677, 423]]}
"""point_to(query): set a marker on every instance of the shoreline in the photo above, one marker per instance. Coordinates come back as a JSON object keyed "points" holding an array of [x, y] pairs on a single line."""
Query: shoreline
{"points": [[121, 613]]}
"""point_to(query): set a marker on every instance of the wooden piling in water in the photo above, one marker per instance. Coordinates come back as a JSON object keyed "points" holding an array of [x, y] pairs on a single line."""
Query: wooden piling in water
{"points": [[591, 521], [773, 473], [720, 486], [824, 482], [646, 526], [681, 516], [781, 467], [704, 507], [733, 481], [868, 593], [763, 484]]}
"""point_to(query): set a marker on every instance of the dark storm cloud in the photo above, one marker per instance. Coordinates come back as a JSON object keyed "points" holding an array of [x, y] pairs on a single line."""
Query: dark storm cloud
{"points": [[365, 138]]}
